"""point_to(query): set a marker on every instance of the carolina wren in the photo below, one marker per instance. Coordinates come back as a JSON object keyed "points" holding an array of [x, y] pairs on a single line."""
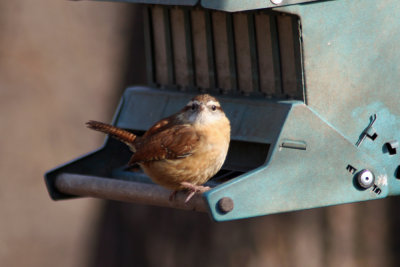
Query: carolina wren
{"points": [[182, 151]]}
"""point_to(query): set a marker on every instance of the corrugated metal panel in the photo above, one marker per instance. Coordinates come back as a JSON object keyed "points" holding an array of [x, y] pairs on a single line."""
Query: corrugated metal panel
{"points": [[248, 53]]}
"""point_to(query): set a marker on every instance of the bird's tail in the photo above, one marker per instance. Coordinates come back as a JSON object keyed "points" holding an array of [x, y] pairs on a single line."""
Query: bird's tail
{"points": [[115, 132]]}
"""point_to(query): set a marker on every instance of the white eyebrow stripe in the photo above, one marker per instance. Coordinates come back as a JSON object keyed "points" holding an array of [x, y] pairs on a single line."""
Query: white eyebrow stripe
{"points": [[212, 102], [193, 102]]}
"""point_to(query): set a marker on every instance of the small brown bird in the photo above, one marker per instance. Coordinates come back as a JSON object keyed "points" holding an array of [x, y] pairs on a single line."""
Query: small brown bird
{"points": [[183, 151]]}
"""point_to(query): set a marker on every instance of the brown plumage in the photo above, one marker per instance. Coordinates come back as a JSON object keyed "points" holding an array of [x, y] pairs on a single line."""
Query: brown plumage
{"points": [[117, 133], [182, 151]]}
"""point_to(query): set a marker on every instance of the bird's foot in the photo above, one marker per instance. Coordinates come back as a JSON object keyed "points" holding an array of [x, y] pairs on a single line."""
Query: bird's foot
{"points": [[193, 189]]}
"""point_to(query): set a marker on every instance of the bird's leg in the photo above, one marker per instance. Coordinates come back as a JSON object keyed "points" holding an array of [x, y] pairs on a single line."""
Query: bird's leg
{"points": [[193, 189]]}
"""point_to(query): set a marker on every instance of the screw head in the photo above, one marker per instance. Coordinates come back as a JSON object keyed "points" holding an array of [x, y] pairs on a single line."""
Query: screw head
{"points": [[276, 2], [365, 178], [225, 204]]}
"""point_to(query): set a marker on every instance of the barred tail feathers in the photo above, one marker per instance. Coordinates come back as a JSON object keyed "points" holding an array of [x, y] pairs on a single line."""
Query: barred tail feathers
{"points": [[115, 132]]}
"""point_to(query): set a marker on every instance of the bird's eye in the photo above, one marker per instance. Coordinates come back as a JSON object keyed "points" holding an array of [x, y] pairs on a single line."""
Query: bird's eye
{"points": [[193, 106], [213, 107]]}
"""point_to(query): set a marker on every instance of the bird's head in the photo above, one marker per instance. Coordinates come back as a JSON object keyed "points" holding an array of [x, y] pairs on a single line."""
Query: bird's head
{"points": [[203, 109]]}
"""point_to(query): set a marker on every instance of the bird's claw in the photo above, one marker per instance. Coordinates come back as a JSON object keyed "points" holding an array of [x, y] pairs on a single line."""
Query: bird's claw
{"points": [[193, 189]]}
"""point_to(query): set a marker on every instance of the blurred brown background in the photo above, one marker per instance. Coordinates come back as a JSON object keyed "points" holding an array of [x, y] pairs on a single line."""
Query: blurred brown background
{"points": [[62, 63]]}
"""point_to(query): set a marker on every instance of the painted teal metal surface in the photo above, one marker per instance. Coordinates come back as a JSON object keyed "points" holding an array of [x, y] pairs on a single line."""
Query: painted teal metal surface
{"points": [[243, 5], [351, 67], [158, 2], [223, 5], [311, 173], [350, 59]]}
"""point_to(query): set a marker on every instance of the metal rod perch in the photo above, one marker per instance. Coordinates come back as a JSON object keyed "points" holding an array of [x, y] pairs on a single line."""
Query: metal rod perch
{"points": [[127, 191]]}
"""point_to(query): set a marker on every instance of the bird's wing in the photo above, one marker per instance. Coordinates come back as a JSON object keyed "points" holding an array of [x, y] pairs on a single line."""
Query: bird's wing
{"points": [[158, 127], [171, 143]]}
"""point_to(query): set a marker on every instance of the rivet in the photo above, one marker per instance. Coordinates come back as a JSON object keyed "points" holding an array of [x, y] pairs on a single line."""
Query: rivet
{"points": [[276, 2], [365, 178], [225, 204]]}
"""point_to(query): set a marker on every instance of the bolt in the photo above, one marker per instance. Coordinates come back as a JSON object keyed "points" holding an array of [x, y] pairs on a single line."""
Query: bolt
{"points": [[365, 178], [225, 204], [276, 2]]}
